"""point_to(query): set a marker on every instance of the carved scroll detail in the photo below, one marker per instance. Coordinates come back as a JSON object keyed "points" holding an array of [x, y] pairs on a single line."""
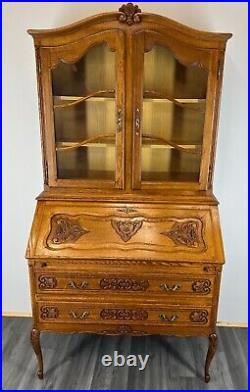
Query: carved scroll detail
{"points": [[47, 282], [124, 284], [64, 230], [188, 233], [129, 14], [49, 312], [126, 228], [199, 316], [202, 286], [123, 330], [124, 314]]}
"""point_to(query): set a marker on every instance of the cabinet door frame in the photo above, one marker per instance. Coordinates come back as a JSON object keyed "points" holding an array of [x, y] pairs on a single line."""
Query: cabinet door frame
{"points": [[47, 59], [210, 59]]}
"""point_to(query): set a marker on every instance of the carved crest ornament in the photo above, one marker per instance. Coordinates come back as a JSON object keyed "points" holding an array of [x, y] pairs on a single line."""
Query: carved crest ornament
{"points": [[129, 13], [126, 228]]}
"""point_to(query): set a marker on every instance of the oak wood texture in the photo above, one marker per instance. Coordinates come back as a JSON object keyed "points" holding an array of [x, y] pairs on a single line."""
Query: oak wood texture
{"points": [[126, 256]]}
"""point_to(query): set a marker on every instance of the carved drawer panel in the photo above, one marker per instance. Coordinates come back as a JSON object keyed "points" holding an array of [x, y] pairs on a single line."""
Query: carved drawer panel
{"points": [[169, 285], [77, 312], [86, 230]]}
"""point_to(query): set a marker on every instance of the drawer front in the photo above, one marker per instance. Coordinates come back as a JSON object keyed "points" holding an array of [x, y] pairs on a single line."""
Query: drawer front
{"points": [[87, 230], [74, 312], [168, 285]]}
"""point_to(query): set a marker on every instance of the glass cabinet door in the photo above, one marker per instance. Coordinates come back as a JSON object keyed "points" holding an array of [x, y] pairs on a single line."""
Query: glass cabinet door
{"points": [[172, 115], [88, 119]]}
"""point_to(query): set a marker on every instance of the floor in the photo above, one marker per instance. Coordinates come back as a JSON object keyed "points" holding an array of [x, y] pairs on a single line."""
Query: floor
{"points": [[74, 361]]}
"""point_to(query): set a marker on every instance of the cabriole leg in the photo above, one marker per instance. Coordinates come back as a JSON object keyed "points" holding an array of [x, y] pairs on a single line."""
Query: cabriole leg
{"points": [[35, 341], [210, 354]]}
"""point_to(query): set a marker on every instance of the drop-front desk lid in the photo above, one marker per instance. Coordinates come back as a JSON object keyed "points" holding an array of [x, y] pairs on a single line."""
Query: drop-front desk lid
{"points": [[83, 230]]}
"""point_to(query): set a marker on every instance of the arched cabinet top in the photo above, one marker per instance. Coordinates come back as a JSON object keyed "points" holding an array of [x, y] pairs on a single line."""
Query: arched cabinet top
{"points": [[130, 19]]}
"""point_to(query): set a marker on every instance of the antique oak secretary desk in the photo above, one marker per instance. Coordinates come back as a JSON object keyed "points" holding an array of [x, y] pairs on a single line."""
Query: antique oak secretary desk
{"points": [[126, 236]]}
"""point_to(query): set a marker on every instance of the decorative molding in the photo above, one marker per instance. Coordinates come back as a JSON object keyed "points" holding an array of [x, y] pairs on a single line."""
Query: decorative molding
{"points": [[123, 330], [202, 286], [187, 232], [49, 312], [47, 282], [64, 230], [124, 284], [124, 314], [130, 14], [126, 228], [199, 316]]}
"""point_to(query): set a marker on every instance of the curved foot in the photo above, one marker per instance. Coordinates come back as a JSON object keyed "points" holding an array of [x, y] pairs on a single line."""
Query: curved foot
{"points": [[35, 341], [210, 354]]}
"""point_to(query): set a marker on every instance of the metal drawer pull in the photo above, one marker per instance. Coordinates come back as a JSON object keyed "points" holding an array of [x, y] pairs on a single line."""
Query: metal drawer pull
{"points": [[78, 316], [119, 120], [171, 319], [166, 287], [137, 122], [79, 286]]}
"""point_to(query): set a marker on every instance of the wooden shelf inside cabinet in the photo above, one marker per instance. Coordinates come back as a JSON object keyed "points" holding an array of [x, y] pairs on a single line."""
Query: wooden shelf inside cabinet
{"points": [[64, 101], [185, 103]]}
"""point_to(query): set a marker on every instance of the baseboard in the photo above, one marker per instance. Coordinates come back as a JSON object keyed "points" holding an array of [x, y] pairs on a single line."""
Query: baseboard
{"points": [[219, 323], [16, 314], [232, 324]]}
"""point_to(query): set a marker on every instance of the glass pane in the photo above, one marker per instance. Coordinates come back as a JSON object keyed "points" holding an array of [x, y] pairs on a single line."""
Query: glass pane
{"points": [[173, 117], [84, 116]]}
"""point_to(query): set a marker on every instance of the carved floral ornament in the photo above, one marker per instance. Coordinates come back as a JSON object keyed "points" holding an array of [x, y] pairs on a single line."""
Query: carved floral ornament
{"points": [[188, 233], [130, 14], [64, 229], [126, 228], [124, 284]]}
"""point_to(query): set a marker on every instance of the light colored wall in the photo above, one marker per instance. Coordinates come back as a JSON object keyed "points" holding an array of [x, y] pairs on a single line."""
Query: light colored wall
{"points": [[21, 141]]}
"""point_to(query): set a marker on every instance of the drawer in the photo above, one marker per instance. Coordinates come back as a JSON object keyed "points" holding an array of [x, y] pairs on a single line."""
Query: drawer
{"points": [[144, 232], [168, 285], [80, 312]]}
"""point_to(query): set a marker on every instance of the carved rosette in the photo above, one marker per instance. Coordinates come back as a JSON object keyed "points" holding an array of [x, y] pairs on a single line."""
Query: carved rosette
{"points": [[124, 284], [199, 316], [126, 228], [49, 312], [188, 233], [124, 314], [202, 286], [47, 282], [123, 330], [130, 14], [64, 229]]}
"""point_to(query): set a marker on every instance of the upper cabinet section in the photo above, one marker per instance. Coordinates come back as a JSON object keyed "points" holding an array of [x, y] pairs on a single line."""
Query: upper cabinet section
{"points": [[129, 101]]}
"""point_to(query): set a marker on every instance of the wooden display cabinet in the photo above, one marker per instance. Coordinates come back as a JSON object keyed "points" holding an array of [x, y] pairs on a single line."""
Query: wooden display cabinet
{"points": [[126, 236]]}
